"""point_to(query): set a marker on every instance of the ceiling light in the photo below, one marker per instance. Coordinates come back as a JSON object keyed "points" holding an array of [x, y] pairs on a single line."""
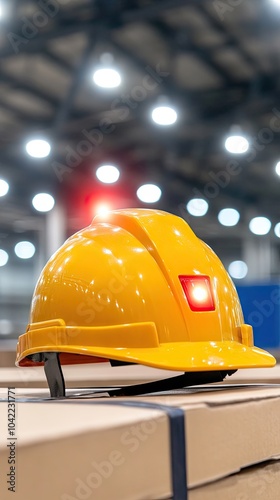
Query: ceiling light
{"points": [[107, 78], [238, 269], [4, 257], [38, 148], [4, 187], [228, 217], [24, 250], [197, 207], [43, 202], [164, 115], [149, 193], [260, 225], [277, 230], [107, 174], [4, 9], [237, 144], [277, 168]]}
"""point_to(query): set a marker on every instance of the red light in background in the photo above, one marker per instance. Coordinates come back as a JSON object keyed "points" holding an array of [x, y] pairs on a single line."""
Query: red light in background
{"points": [[101, 208], [198, 292]]}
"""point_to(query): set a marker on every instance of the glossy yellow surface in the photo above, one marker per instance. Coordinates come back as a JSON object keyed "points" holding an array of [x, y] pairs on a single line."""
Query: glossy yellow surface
{"points": [[112, 291]]}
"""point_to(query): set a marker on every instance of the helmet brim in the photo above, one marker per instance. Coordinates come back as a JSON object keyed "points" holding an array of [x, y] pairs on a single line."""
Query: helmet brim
{"points": [[179, 356], [194, 356]]}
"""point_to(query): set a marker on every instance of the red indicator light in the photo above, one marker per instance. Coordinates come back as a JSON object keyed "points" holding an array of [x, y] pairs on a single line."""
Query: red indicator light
{"points": [[198, 292]]}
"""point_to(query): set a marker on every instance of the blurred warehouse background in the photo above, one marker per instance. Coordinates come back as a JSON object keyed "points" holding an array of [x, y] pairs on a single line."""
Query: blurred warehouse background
{"points": [[162, 104]]}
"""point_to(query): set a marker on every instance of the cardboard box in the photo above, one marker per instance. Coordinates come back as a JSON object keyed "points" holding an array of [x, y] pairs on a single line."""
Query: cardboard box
{"points": [[253, 483], [257, 376], [103, 374], [7, 357], [88, 375], [73, 450]]}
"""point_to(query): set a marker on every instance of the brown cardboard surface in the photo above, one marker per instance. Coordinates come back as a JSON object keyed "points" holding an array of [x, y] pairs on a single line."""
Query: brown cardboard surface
{"points": [[257, 375], [73, 451], [258, 482], [7, 358], [84, 375], [80, 449], [102, 374]]}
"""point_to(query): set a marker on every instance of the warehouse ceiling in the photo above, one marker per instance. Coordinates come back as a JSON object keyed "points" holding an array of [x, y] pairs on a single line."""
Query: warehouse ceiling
{"points": [[216, 62]]}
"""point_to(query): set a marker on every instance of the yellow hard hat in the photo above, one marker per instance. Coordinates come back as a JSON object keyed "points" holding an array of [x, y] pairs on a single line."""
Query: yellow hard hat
{"points": [[138, 286]]}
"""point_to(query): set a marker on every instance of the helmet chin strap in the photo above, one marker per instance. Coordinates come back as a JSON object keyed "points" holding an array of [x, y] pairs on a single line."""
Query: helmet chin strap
{"points": [[56, 382], [54, 375], [53, 372], [186, 380]]}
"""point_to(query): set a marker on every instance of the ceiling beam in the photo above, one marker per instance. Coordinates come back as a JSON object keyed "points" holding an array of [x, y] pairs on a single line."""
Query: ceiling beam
{"points": [[18, 84], [232, 40], [64, 109], [188, 46], [72, 26], [59, 61], [23, 115]]}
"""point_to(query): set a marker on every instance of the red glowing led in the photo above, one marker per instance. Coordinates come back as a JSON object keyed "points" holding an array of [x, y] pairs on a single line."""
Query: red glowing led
{"points": [[198, 292]]}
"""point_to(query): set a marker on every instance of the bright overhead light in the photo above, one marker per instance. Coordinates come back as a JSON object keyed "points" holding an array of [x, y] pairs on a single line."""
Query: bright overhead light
{"points": [[260, 225], [4, 257], [24, 250], [38, 148], [277, 168], [237, 144], [164, 115], [4, 10], [107, 78], [228, 217], [43, 202], [107, 174], [4, 187], [197, 207], [238, 269], [277, 230], [149, 193]]}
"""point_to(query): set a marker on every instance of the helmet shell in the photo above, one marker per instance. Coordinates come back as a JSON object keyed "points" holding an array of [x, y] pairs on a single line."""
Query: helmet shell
{"points": [[112, 291]]}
